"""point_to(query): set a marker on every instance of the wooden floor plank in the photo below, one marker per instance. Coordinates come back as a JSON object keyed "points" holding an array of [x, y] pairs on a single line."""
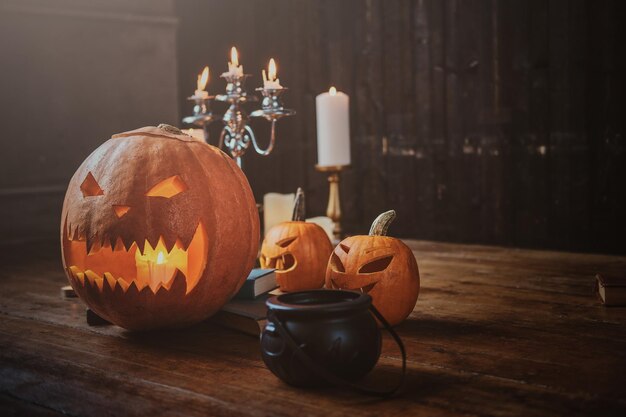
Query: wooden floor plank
{"points": [[496, 331], [14, 407]]}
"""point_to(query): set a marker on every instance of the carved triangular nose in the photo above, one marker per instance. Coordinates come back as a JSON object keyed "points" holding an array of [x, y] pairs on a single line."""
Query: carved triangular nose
{"points": [[120, 210]]}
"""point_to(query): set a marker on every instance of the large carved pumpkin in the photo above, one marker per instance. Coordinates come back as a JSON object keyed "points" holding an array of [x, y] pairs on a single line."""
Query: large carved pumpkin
{"points": [[298, 251], [158, 229], [381, 266]]}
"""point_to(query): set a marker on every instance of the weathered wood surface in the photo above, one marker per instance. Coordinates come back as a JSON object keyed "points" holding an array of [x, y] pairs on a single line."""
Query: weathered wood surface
{"points": [[495, 332]]}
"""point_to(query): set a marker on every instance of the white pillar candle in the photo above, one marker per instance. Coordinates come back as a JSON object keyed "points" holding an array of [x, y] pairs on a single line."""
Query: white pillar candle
{"points": [[277, 208], [326, 223], [333, 128]]}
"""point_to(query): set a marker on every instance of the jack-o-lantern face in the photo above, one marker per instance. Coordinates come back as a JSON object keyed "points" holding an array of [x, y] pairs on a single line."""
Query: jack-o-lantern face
{"points": [[381, 266], [298, 251], [158, 229]]}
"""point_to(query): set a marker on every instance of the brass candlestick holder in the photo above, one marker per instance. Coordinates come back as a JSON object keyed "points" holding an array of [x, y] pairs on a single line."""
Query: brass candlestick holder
{"points": [[333, 210]]}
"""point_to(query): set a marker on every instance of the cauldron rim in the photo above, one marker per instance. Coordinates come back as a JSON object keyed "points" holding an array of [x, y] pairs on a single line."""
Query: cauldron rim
{"points": [[319, 301]]}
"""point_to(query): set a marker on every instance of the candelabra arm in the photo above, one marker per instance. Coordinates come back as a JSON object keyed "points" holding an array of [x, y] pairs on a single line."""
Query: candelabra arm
{"points": [[251, 135], [270, 147]]}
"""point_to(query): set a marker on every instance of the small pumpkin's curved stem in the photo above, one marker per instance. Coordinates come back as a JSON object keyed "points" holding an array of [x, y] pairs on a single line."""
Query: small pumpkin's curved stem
{"points": [[170, 129], [381, 223], [299, 208]]}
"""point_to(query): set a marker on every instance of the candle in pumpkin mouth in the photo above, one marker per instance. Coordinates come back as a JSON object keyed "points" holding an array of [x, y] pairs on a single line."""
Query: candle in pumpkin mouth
{"points": [[201, 83], [333, 128], [234, 69], [271, 81], [160, 270]]}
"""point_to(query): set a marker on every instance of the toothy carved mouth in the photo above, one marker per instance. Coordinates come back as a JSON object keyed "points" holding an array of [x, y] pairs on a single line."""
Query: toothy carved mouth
{"points": [[282, 263], [139, 265]]}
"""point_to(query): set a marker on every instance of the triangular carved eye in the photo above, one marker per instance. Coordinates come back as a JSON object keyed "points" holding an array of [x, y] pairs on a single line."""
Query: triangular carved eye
{"points": [[345, 247], [376, 265], [168, 188], [90, 187], [286, 242], [335, 263]]}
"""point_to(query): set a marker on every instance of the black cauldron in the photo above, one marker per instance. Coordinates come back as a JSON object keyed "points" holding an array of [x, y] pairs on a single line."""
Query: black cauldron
{"points": [[317, 337]]}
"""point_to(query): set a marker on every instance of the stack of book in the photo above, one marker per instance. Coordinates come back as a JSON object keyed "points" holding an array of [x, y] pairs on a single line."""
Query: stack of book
{"points": [[247, 312]]}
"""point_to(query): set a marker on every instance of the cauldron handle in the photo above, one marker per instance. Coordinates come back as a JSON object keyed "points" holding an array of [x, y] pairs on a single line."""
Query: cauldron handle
{"points": [[313, 367]]}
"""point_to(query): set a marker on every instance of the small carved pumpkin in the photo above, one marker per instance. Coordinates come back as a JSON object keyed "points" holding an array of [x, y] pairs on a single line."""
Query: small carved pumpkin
{"points": [[158, 229], [381, 266], [298, 251]]}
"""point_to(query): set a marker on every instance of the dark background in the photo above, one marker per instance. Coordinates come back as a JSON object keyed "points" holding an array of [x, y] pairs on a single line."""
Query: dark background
{"points": [[491, 121]]}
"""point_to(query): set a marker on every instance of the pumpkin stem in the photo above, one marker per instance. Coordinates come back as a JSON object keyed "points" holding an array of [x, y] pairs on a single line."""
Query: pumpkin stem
{"points": [[299, 208], [381, 223], [170, 129]]}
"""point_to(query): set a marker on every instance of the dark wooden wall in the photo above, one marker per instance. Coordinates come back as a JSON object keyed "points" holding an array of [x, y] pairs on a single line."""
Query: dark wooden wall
{"points": [[72, 73], [479, 121]]}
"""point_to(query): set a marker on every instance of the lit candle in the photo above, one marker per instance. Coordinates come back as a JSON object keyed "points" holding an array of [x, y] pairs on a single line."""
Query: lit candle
{"points": [[333, 128], [270, 81], [159, 270], [234, 69], [203, 79]]}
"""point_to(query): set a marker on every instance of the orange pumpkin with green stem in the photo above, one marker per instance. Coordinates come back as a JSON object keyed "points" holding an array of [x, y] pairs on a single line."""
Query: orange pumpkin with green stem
{"points": [[298, 251], [379, 265]]}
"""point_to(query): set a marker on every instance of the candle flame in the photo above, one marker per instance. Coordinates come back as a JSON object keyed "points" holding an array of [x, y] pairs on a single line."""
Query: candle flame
{"points": [[203, 79], [160, 258], [271, 70], [234, 57], [332, 91]]}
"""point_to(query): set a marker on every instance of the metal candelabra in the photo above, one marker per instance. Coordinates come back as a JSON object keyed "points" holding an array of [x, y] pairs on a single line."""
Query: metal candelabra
{"points": [[237, 134]]}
